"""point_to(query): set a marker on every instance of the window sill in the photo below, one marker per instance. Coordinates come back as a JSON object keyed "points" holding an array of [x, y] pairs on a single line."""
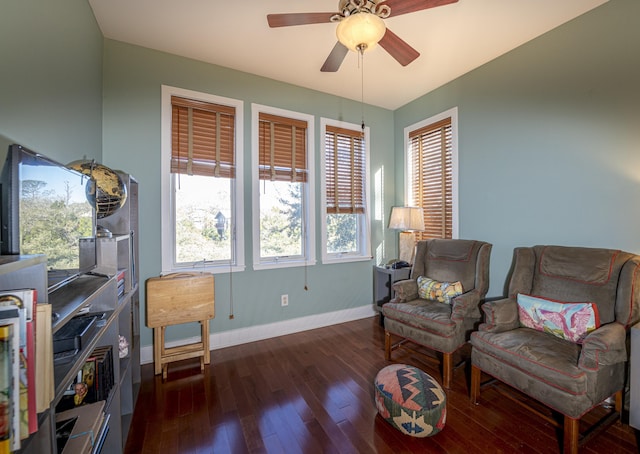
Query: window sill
{"points": [[345, 259], [213, 269], [282, 264]]}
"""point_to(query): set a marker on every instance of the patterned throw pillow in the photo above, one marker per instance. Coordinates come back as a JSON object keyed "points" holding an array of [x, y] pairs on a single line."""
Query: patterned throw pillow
{"points": [[569, 321], [443, 292]]}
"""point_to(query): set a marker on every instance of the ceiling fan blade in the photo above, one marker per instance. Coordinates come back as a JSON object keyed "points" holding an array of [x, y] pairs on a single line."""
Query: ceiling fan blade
{"points": [[399, 7], [335, 58], [288, 19], [398, 48]]}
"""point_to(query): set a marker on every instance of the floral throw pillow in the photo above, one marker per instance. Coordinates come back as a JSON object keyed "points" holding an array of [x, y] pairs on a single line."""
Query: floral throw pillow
{"points": [[443, 292], [570, 321]]}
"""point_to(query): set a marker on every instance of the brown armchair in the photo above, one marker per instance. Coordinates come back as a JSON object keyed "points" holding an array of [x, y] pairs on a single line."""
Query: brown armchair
{"points": [[571, 377], [440, 326]]}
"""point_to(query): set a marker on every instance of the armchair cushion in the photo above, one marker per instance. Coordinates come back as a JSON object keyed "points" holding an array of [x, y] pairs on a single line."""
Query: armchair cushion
{"points": [[500, 315], [605, 346], [429, 316], [543, 358], [569, 321], [581, 274], [405, 290], [443, 292]]}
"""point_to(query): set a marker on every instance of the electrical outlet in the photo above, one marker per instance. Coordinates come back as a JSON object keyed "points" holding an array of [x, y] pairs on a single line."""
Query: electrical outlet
{"points": [[284, 300]]}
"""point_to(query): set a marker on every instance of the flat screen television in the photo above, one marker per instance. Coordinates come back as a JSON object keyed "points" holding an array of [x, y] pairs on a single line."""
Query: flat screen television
{"points": [[45, 210]]}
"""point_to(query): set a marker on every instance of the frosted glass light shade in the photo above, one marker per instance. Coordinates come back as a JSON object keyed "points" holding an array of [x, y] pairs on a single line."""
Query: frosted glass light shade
{"points": [[360, 29], [406, 218]]}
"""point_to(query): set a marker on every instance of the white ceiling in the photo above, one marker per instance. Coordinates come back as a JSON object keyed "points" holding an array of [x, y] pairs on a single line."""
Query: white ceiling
{"points": [[451, 39]]}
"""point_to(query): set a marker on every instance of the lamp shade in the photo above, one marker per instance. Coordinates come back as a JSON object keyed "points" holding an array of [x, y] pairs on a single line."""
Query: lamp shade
{"points": [[406, 218], [360, 30]]}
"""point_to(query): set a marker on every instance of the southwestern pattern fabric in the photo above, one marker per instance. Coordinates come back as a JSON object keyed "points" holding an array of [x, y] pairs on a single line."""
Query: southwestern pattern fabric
{"points": [[443, 292], [569, 321], [410, 400]]}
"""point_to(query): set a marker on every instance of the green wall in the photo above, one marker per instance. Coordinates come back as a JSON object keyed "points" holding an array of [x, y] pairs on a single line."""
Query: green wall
{"points": [[133, 77], [51, 78], [549, 139]]}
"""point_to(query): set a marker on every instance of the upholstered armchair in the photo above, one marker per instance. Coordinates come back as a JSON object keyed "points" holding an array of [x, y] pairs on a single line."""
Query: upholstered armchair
{"points": [[569, 357], [439, 305]]}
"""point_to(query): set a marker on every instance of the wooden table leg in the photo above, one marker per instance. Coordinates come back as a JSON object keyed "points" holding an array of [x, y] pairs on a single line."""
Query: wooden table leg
{"points": [[205, 341], [157, 350]]}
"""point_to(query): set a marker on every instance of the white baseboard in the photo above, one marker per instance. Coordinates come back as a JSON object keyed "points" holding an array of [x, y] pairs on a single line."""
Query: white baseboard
{"points": [[261, 332]]}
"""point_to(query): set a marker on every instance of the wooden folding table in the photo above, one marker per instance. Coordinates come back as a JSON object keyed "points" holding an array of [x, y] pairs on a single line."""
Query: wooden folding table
{"points": [[174, 299]]}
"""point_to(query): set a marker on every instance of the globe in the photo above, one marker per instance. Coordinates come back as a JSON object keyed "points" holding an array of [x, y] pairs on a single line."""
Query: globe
{"points": [[106, 191]]}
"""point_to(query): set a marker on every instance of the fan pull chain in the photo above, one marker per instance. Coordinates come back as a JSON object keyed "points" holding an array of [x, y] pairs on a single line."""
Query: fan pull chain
{"points": [[231, 316], [361, 50]]}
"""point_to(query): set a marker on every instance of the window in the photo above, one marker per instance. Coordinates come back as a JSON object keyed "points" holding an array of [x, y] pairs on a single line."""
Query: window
{"points": [[432, 174], [283, 188], [202, 180], [345, 232]]}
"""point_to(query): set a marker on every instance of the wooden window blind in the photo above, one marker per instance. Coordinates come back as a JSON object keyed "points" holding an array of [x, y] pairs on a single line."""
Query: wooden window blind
{"points": [[202, 138], [344, 170], [430, 149], [282, 148]]}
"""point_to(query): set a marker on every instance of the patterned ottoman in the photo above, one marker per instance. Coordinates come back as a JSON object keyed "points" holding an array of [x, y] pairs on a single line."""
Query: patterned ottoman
{"points": [[410, 400]]}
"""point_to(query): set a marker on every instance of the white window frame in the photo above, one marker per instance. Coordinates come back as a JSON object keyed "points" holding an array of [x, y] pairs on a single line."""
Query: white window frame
{"points": [[365, 239], [167, 202], [453, 114], [309, 243]]}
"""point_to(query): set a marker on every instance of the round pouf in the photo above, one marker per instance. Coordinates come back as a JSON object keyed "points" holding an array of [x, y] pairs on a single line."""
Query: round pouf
{"points": [[410, 400]]}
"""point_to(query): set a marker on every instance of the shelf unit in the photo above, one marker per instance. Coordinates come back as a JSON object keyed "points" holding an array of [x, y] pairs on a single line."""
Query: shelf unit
{"points": [[124, 226], [114, 257], [95, 293]]}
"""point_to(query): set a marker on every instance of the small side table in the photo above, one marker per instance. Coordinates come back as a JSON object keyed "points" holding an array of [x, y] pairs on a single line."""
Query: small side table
{"points": [[383, 280], [174, 299]]}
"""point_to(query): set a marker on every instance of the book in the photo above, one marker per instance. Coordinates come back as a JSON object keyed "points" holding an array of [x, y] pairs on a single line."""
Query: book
{"points": [[89, 378], [97, 375], [26, 300], [10, 317], [32, 422], [6, 371], [120, 276], [104, 380], [44, 358]]}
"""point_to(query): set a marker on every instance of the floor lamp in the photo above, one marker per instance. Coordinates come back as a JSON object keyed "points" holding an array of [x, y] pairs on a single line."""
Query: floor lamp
{"points": [[406, 219]]}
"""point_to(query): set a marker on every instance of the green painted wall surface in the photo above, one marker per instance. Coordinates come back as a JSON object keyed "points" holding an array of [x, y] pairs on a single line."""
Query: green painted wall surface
{"points": [[51, 78], [133, 77], [549, 139]]}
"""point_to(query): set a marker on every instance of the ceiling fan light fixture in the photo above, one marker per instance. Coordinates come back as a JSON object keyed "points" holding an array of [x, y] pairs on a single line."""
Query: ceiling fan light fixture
{"points": [[360, 31]]}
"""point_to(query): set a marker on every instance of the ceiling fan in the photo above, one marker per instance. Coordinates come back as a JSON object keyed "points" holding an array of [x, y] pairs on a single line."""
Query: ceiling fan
{"points": [[361, 27]]}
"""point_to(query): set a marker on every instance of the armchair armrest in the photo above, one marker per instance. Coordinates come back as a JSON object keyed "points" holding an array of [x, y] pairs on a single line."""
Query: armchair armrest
{"points": [[466, 305], [406, 290], [500, 315], [604, 346]]}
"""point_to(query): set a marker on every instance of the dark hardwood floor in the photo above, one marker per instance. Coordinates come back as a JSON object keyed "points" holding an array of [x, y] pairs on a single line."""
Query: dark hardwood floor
{"points": [[312, 392]]}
